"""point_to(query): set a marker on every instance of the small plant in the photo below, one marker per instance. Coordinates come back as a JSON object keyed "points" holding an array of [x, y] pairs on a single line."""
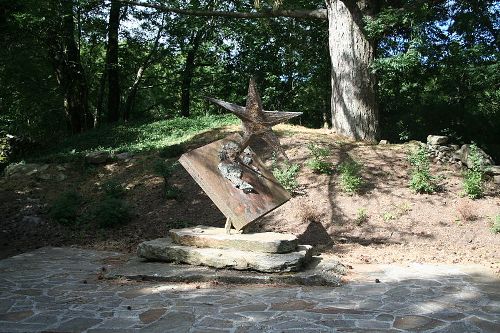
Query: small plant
{"points": [[350, 179], [361, 216], [317, 163], [171, 151], [421, 180], [65, 208], [465, 210], [388, 216], [113, 189], [286, 174], [495, 224], [473, 182], [111, 212], [165, 170]]}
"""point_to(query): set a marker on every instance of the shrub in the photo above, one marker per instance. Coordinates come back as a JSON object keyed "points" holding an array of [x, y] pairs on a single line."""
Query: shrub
{"points": [[361, 216], [111, 212], [350, 179], [65, 208], [318, 163], [286, 175], [465, 210], [113, 189], [165, 170], [421, 180], [473, 181], [308, 214], [495, 224]]}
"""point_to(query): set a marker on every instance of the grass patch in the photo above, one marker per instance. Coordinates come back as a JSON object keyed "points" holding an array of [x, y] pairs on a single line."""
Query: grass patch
{"points": [[133, 137], [286, 174], [318, 162], [473, 181]]}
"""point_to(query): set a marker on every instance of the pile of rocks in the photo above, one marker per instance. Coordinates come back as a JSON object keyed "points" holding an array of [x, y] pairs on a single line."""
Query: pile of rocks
{"points": [[36, 171], [450, 153]]}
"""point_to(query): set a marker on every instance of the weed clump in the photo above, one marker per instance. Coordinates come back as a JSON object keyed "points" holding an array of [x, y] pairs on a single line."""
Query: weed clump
{"points": [[350, 178], [165, 170], [111, 212], [465, 210], [421, 180], [286, 174], [361, 216], [113, 189], [495, 224], [318, 163], [473, 181], [65, 208]]}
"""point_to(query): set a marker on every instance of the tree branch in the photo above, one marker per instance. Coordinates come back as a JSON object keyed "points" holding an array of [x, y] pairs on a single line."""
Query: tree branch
{"points": [[320, 14]]}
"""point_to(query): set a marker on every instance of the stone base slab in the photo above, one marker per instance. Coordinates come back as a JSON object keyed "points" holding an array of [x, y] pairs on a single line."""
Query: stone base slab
{"points": [[318, 273], [203, 236], [163, 249]]}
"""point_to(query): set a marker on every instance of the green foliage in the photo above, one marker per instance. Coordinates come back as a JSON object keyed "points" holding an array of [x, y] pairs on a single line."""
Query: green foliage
{"points": [[361, 216], [113, 189], [495, 224], [134, 137], [171, 151], [388, 216], [66, 207], [286, 174], [318, 163], [421, 180], [473, 181], [111, 212], [165, 170], [350, 178]]}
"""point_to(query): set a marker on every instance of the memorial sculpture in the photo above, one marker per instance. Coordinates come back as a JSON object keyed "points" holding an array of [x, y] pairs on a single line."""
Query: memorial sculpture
{"points": [[230, 172]]}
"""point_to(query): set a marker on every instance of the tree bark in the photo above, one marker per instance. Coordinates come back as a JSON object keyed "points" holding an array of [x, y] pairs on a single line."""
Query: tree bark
{"points": [[353, 104], [112, 63], [132, 90], [187, 76], [69, 71]]}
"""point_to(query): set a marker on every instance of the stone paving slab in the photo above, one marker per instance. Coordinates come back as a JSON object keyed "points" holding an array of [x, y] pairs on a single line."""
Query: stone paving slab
{"points": [[62, 290]]}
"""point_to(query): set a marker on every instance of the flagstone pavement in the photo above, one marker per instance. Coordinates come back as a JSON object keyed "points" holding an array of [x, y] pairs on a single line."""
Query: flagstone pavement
{"points": [[63, 290]]}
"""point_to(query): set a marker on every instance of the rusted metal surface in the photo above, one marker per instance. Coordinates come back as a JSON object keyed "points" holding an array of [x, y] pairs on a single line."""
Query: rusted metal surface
{"points": [[240, 207]]}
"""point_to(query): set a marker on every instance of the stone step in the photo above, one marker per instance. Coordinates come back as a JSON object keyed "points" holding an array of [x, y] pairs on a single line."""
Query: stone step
{"points": [[203, 236], [164, 249]]}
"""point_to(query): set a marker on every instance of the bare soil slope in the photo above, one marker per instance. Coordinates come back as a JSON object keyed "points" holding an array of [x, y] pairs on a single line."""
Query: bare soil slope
{"points": [[401, 226]]}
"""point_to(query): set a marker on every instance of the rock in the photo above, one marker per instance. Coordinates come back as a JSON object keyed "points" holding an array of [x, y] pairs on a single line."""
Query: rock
{"points": [[383, 142], [124, 156], [486, 160], [60, 168], [493, 170], [34, 220], [437, 139], [496, 179], [97, 157], [21, 169], [163, 249], [45, 176], [203, 236], [60, 177]]}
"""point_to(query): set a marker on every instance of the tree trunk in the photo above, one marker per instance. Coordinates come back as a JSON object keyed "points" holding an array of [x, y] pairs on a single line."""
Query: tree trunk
{"points": [[354, 107], [187, 76], [69, 71], [112, 63]]}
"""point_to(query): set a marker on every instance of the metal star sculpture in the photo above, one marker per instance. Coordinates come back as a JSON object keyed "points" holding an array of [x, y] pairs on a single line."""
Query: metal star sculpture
{"points": [[255, 120]]}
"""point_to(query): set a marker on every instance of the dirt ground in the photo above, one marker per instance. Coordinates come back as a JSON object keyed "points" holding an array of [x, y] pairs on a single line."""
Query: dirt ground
{"points": [[400, 226]]}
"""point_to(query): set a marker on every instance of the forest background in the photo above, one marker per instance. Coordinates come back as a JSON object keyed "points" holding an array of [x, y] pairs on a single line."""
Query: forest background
{"points": [[69, 66]]}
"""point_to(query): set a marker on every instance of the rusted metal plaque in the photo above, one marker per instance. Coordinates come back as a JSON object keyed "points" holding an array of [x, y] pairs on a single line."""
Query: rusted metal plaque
{"points": [[242, 208]]}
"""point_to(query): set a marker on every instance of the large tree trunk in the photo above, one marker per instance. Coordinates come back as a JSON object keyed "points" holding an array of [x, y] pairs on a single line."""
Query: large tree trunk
{"points": [[112, 63], [354, 107]]}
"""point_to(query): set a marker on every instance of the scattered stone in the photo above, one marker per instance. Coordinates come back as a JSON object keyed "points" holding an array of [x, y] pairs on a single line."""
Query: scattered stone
{"points": [[383, 142], [98, 157], [34, 220], [16, 316], [437, 139], [486, 160], [203, 236], [60, 177], [124, 156], [163, 249], [496, 179], [21, 169], [493, 170]]}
